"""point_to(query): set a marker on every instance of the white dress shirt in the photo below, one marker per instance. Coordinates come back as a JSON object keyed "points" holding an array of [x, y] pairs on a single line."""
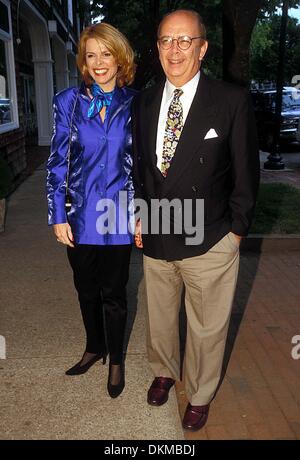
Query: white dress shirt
{"points": [[189, 90]]}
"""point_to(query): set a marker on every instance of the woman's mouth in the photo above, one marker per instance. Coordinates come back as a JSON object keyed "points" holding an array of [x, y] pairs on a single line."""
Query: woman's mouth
{"points": [[100, 71]]}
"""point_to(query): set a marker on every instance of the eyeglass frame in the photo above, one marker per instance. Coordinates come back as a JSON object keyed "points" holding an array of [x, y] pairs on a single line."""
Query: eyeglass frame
{"points": [[176, 39]]}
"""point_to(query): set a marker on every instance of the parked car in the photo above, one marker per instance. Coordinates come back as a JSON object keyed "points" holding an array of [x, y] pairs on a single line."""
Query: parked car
{"points": [[298, 132], [5, 116], [264, 106]]}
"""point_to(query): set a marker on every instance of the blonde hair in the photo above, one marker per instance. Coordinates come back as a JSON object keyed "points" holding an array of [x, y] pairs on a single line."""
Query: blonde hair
{"points": [[116, 43]]}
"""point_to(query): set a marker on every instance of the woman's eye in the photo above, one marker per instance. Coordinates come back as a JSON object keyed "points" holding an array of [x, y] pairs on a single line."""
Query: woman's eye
{"points": [[107, 54], [90, 56]]}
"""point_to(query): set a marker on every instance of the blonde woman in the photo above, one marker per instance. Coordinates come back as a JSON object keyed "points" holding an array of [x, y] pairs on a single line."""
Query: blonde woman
{"points": [[92, 128]]}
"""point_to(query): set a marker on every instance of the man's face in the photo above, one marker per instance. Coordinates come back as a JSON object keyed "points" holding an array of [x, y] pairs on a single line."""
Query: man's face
{"points": [[180, 66]]}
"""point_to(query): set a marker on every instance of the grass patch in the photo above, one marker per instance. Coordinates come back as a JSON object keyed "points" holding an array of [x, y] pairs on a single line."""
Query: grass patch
{"points": [[277, 209]]}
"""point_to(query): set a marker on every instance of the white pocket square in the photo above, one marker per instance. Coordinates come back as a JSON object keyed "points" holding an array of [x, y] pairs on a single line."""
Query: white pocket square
{"points": [[210, 134]]}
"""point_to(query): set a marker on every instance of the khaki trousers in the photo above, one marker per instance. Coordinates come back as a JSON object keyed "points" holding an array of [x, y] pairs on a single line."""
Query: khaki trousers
{"points": [[210, 281]]}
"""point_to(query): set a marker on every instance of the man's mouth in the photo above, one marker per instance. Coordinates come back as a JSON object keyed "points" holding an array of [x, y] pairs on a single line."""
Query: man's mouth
{"points": [[175, 61]]}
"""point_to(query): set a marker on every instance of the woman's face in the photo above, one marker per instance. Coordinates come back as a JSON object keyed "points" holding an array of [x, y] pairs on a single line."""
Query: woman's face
{"points": [[101, 64]]}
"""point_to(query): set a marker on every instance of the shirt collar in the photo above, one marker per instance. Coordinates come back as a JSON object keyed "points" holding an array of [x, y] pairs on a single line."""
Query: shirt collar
{"points": [[188, 88]]}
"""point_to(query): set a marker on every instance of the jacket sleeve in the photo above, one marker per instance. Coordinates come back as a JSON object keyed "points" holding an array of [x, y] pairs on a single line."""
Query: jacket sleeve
{"points": [[128, 161], [57, 165], [245, 166]]}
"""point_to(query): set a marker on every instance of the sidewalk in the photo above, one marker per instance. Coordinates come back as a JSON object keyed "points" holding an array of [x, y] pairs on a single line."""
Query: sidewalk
{"points": [[290, 174], [40, 319]]}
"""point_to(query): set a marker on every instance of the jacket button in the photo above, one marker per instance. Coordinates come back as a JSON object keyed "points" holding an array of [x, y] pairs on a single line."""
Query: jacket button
{"points": [[201, 159], [194, 188], [139, 158], [102, 166]]}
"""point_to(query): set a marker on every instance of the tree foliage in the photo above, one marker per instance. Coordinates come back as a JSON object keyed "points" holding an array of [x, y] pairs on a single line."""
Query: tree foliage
{"points": [[265, 45], [139, 20], [234, 27]]}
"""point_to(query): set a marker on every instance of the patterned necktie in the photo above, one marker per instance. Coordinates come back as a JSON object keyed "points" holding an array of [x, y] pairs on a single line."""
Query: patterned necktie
{"points": [[173, 130]]}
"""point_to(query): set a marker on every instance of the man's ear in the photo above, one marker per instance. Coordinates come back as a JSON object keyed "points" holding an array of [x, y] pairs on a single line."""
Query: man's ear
{"points": [[203, 49], [157, 44]]}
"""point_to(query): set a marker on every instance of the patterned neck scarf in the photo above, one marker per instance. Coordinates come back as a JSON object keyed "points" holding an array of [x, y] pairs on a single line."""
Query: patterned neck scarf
{"points": [[100, 99]]}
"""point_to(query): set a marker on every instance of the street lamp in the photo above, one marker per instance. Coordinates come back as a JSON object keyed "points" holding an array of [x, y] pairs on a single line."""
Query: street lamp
{"points": [[274, 159]]}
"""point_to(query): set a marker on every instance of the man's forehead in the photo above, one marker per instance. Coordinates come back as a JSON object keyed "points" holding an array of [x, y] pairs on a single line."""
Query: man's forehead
{"points": [[180, 24]]}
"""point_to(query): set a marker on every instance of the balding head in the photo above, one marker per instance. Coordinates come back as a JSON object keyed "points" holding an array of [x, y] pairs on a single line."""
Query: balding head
{"points": [[181, 13]]}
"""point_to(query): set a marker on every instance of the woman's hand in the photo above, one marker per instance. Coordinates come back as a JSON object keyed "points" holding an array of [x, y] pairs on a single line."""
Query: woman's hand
{"points": [[64, 234], [138, 234]]}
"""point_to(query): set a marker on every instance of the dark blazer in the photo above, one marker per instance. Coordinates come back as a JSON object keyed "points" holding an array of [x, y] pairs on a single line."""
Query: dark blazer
{"points": [[224, 170]]}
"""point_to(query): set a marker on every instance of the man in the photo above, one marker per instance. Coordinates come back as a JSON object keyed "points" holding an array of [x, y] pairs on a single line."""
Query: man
{"points": [[194, 139]]}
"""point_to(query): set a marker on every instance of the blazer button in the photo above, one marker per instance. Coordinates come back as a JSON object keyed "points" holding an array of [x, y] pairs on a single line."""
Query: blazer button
{"points": [[194, 188], [139, 158], [201, 159]]}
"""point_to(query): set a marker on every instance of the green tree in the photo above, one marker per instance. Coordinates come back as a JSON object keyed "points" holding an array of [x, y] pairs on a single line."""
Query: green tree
{"points": [[139, 20], [265, 45], [230, 24]]}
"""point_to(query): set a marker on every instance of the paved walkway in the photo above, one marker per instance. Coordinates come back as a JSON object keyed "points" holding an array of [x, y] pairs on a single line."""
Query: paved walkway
{"points": [[290, 174], [39, 317], [41, 322]]}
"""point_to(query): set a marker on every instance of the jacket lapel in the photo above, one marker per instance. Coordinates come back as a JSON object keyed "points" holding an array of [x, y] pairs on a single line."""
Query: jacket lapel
{"points": [[117, 104], [153, 103], [198, 122]]}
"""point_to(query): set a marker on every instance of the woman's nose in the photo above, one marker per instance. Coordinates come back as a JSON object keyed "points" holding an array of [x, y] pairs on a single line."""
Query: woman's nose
{"points": [[99, 60]]}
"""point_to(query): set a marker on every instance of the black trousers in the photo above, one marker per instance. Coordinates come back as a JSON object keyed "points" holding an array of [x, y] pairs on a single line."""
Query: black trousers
{"points": [[100, 278]]}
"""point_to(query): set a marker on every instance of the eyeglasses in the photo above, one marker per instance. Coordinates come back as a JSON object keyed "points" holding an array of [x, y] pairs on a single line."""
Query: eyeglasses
{"points": [[183, 42]]}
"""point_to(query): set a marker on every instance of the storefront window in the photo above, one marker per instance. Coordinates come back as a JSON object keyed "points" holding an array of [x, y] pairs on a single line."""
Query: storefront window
{"points": [[5, 109], [8, 100]]}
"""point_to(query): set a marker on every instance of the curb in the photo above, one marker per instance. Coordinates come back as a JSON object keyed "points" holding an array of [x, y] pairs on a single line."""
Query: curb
{"points": [[270, 243]]}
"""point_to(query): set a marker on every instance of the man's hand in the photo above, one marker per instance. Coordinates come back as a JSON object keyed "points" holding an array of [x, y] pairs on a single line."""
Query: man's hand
{"points": [[64, 234], [138, 234], [238, 237]]}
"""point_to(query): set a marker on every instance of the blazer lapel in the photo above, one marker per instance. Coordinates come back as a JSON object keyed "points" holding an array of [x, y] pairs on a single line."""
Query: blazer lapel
{"points": [[198, 122], [151, 121]]}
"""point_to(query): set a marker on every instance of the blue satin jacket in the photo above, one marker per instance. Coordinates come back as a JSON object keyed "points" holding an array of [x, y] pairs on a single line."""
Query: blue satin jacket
{"points": [[100, 168]]}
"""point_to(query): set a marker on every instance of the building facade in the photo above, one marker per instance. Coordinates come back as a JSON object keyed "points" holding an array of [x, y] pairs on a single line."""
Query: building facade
{"points": [[37, 58]]}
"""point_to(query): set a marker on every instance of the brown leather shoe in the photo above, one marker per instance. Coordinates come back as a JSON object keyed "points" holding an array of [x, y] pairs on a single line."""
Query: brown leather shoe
{"points": [[195, 417], [159, 391]]}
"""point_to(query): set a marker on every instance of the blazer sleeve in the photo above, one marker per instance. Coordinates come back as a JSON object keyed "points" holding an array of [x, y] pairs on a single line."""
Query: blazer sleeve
{"points": [[57, 165], [245, 166]]}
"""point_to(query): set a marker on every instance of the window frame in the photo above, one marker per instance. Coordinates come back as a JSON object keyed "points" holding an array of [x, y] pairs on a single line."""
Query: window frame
{"points": [[7, 38]]}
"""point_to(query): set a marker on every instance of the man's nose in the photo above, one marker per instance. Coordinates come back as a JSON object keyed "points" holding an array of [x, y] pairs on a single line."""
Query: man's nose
{"points": [[174, 45]]}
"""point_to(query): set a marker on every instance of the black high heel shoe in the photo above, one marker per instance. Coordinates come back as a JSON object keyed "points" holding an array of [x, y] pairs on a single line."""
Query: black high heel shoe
{"points": [[115, 390], [79, 369]]}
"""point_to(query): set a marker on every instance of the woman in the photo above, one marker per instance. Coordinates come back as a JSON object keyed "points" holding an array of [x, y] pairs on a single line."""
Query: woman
{"points": [[93, 124]]}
